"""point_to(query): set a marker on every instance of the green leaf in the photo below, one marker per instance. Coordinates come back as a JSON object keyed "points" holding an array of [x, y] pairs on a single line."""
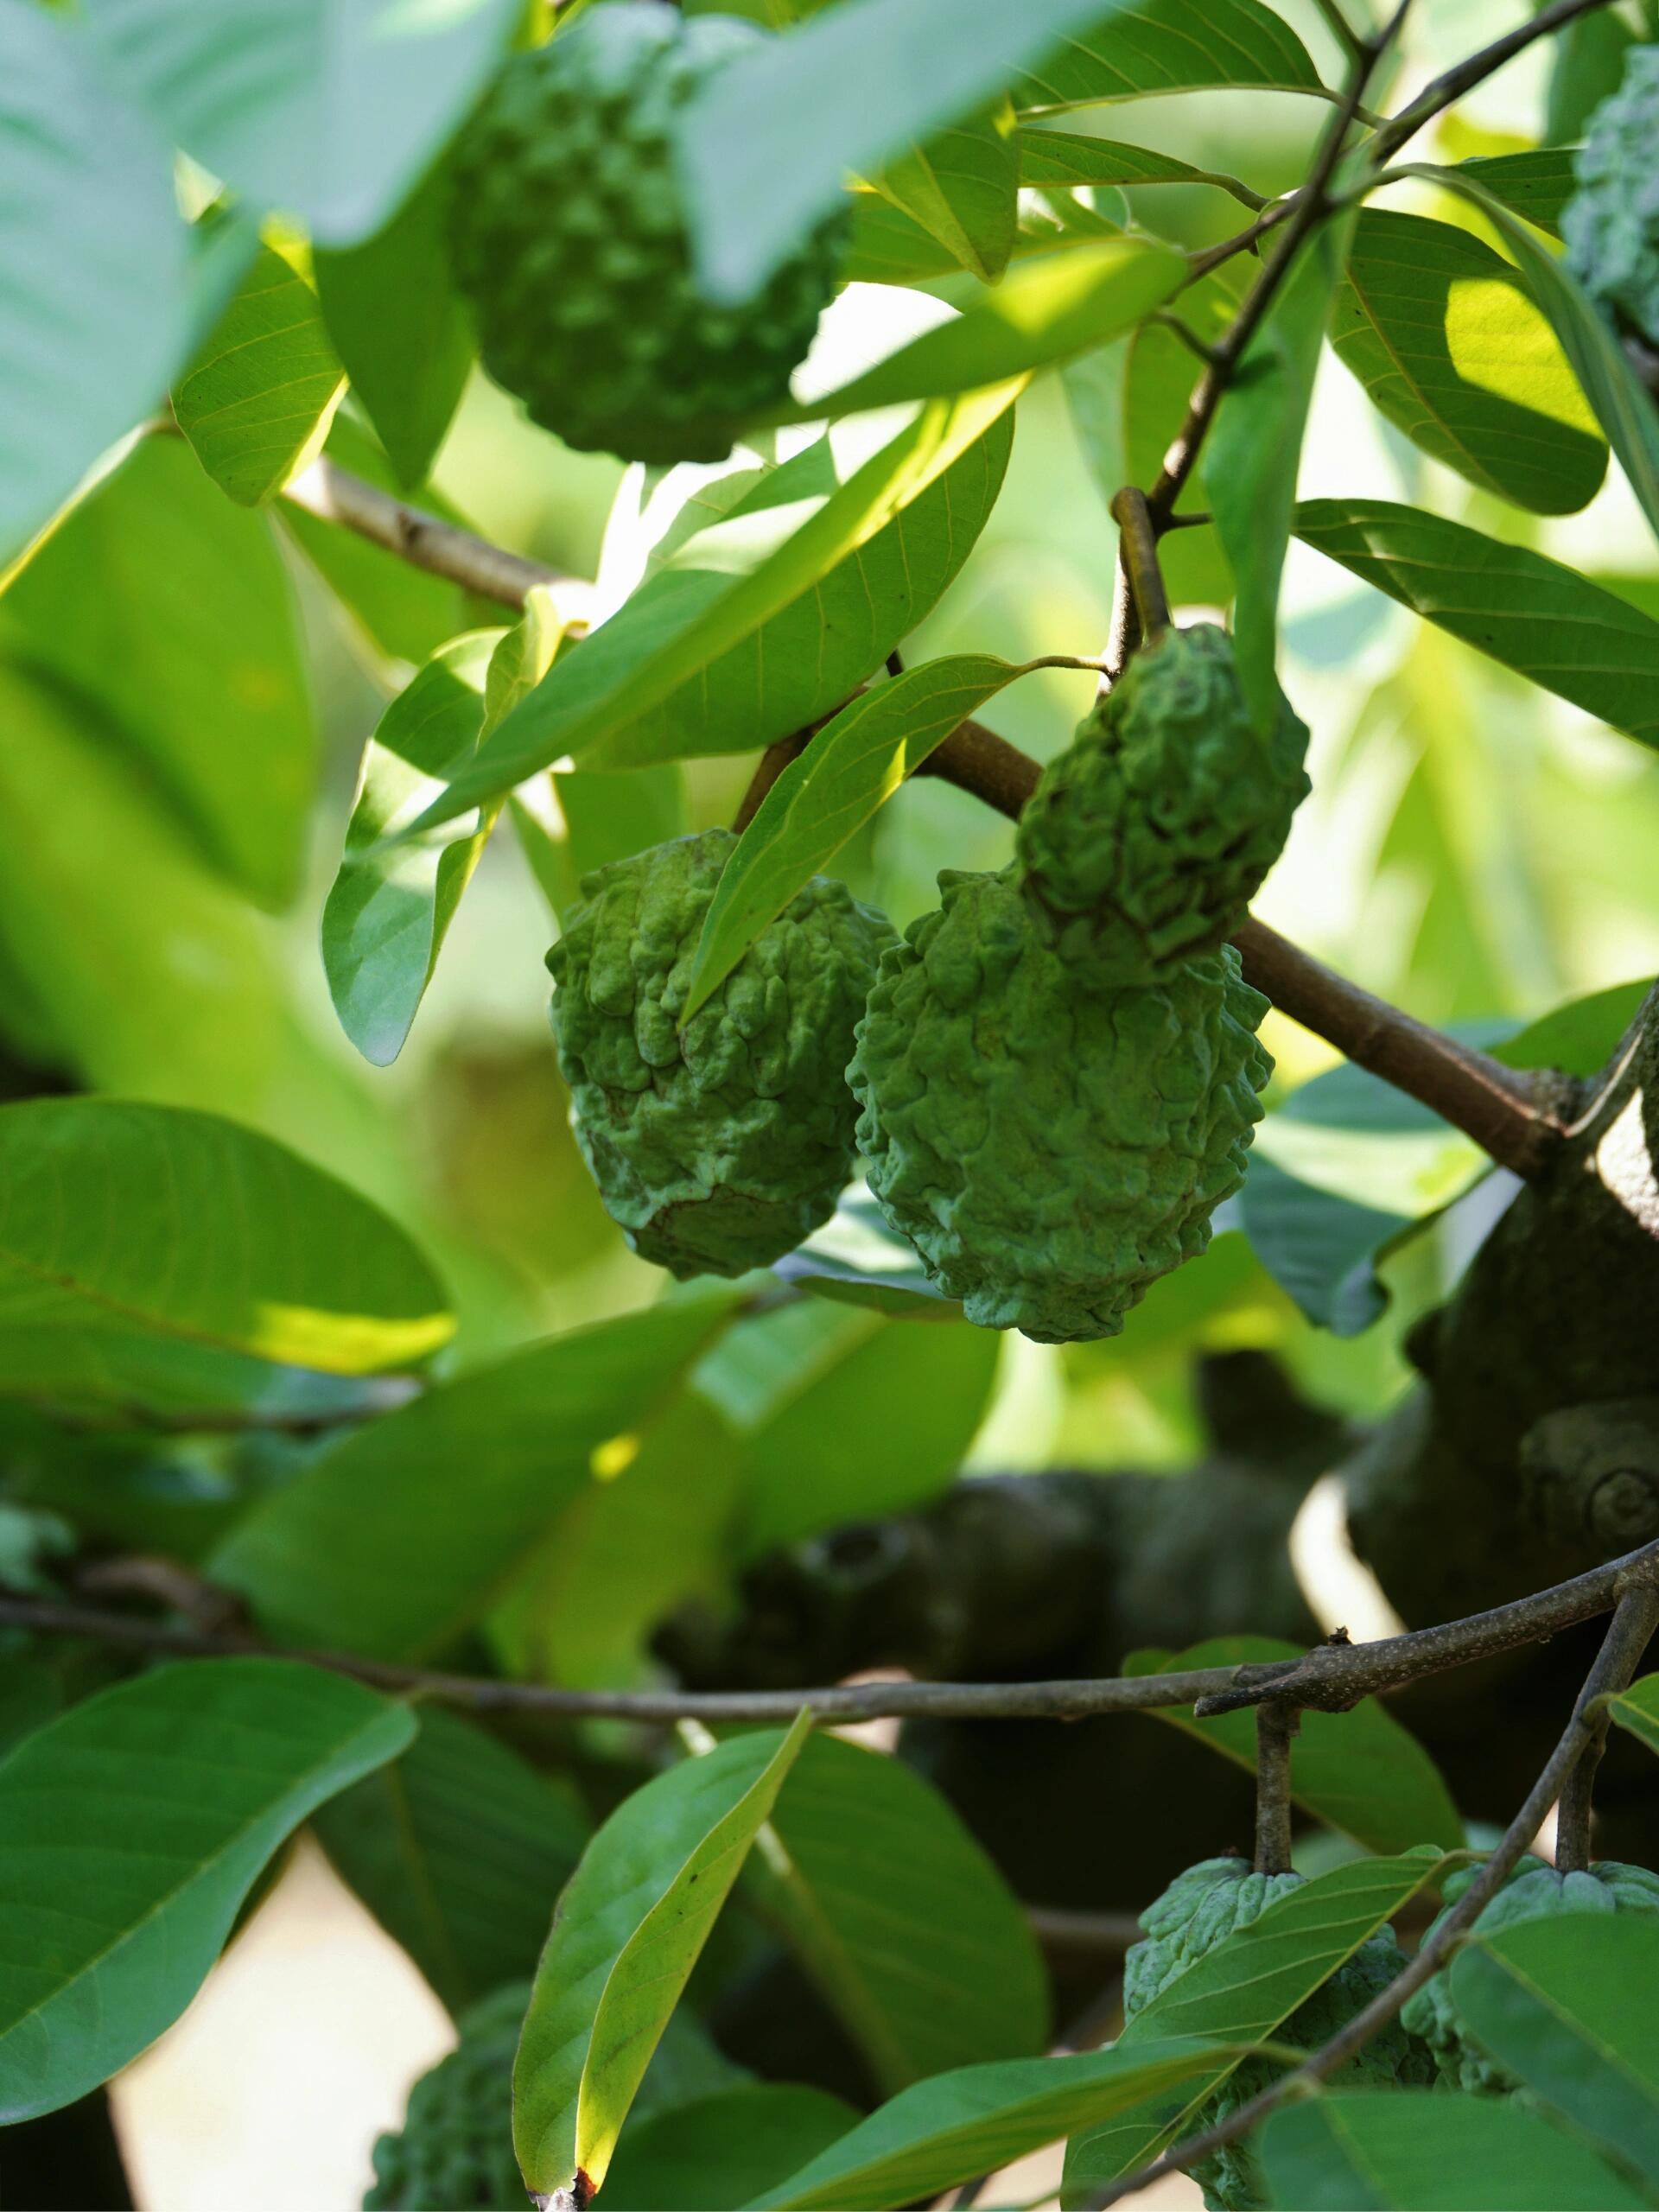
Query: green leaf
{"points": [[379, 1547], [575, 823], [1579, 1037], [1621, 402], [401, 329], [1566, 2005], [1360, 1771], [1256, 449], [1533, 614], [1066, 157], [628, 1931], [1589, 61], [1638, 1710], [459, 1849], [1320, 1248], [97, 306], [256, 401], [102, 1208], [897, 1914], [947, 2130], [1421, 2151], [963, 186], [174, 613], [1170, 45], [1448, 344], [1043, 313], [1241, 1992], [330, 110], [702, 660], [722, 2151], [1537, 185], [821, 798], [131, 1831], [855, 1259]]}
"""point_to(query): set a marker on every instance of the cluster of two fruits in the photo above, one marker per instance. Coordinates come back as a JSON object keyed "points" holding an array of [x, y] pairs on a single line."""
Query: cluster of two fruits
{"points": [[1051, 1079]]}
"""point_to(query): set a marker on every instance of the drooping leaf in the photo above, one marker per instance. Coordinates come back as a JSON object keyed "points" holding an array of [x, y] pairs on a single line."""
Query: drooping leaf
{"points": [[1360, 1771], [156, 599], [402, 331], [1533, 614], [702, 660], [972, 2121], [131, 1831], [851, 767], [720, 2151], [103, 1204], [1322, 1249], [383, 1546], [1567, 2006], [1169, 46], [963, 186], [459, 1848], [329, 110], [1241, 1992], [899, 1917], [257, 401], [1448, 344], [1066, 157], [1416, 2150], [1255, 451], [628, 1931], [97, 308]]}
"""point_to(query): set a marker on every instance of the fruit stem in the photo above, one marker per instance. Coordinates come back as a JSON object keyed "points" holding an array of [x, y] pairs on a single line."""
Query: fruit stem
{"points": [[1276, 1724]]}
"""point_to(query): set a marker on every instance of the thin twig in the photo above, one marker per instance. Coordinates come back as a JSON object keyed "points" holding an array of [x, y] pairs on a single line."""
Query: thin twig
{"points": [[1107, 1935], [1466, 74], [1634, 1625], [1341, 29], [1627, 1637], [1329, 1678], [1276, 1724], [1138, 543], [770, 765]]}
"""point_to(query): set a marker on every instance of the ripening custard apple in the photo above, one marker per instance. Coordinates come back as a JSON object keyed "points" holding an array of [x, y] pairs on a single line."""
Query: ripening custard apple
{"points": [[1146, 839], [1198, 1911], [1050, 1149], [568, 237], [1533, 1891], [1612, 222], [453, 2152], [716, 1147]]}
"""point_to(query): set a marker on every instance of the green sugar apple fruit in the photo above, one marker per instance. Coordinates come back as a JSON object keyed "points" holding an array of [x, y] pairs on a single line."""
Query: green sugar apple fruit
{"points": [[717, 1147], [1533, 1891], [1049, 1149], [1146, 839], [1612, 222], [453, 2152], [568, 236], [1198, 1911]]}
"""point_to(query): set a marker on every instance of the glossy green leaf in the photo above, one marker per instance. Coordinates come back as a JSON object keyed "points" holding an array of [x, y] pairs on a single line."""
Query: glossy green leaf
{"points": [[1417, 2150], [256, 401], [1579, 1037], [1621, 402], [845, 775], [1360, 1771], [102, 1208], [1567, 2007], [1532, 614], [897, 1914], [158, 600], [459, 1848], [401, 1534], [1241, 1992], [957, 2125], [1448, 344], [96, 310], [628, 1931], [1169, 46], [329, 110], [1537, 185], [1044, 311], [1323, 1248], [1066, 157], [131, 1831], [720, 2151], [1638, 1710], [402, 333], [1255, 453], [871, 557], [963, 186]]}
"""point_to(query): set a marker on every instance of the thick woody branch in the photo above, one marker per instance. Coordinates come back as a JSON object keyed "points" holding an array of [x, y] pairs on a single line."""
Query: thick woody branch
{"points": [[1276, 1724]]}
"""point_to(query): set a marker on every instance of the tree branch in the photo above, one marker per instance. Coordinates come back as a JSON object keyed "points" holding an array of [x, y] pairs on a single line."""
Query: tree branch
{"points": [[1634, 1620], [1276, 1724], [1466, 75], [1329, 1678]]}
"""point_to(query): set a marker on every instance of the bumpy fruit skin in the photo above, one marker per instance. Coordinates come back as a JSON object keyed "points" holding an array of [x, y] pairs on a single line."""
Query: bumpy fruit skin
{"points": [[1146, 839], [453, 2152], [720, 1148], [1049, 1150], [570, 238], [1612, 222], [1199, 1909], [1533, 1891]]}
